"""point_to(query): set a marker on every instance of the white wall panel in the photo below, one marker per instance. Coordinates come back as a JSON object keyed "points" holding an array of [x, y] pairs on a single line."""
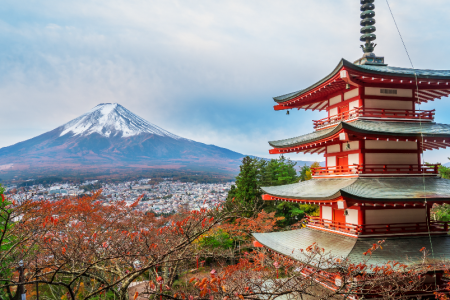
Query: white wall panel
{"points": [[388, 104], [391, 158], [352, 216], [327, 213], [335, 100], [353, 159], [333, 111], [350, 146], [331, 161], [374, 91], [371, 144], [391, 216], [351, 94], [353, 104], [334, 148]]}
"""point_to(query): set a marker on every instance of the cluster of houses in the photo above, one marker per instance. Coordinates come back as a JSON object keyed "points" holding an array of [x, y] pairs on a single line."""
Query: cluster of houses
{"points": [[163, 197]]}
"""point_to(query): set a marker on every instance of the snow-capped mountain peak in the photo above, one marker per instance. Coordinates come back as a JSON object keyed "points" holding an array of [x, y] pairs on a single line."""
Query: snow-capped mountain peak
{"points": [[112, 119]]}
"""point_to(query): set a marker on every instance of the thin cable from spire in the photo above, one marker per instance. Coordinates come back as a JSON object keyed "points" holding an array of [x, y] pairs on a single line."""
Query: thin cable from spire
{"points": [[421, 135]]}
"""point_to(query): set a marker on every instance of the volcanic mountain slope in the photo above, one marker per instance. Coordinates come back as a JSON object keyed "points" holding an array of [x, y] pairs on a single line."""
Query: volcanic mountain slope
{"points": [[110, 135]]}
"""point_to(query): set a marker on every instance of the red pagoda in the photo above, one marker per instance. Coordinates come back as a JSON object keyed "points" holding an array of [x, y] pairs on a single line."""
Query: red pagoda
{"points": [[374, 184]]}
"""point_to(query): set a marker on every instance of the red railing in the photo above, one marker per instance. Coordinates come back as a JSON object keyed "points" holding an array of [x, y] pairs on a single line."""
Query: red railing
{"points": [[329, 121], [375, 169], [375, 113], [378, 228]]}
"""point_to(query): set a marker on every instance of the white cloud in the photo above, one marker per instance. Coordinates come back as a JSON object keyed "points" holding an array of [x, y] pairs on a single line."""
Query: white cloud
{"points": [[205, 70]]}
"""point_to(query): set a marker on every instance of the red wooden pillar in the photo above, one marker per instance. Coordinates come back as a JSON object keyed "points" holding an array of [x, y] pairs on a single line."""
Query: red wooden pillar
{"points": [[362, 95], [419, 152], [429, 205], [362, 154], [362, 217]]}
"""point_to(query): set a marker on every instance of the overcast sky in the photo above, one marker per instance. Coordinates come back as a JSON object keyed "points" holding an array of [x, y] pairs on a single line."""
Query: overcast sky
{"points": [[205, 70]]}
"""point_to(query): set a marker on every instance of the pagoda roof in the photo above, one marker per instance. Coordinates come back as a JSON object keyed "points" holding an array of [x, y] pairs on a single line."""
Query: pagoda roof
{"points": [[399, 189], [396, 129], [435, 80], [399, 249]]}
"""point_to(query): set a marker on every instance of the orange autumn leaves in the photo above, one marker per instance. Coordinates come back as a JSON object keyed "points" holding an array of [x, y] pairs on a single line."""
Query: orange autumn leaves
{"points": [[244, 227]]}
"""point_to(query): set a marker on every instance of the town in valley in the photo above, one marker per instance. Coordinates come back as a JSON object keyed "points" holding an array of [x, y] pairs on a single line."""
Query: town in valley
{"points": [[160, 197]]}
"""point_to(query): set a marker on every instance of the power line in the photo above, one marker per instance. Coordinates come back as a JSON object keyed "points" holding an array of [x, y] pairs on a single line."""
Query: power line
{"points": [[421, 134]]}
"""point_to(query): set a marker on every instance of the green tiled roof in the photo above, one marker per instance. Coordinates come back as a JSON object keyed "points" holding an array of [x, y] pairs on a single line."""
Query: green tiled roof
{"points": [[290, 243], [400, 249], [303, 139], [400, 129], [444, 74], [371, 69], [286, 97], [310, 190], [403, 250], [370, 189]]}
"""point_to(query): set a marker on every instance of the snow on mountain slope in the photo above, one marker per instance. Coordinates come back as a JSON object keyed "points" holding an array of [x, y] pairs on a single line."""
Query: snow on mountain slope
{"points": [[112, 119]]}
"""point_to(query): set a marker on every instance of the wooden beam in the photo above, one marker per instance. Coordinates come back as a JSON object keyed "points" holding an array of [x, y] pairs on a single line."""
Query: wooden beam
{"points": [[390, 98], [430, 93], [323, 106], [314, 108], [435, 145]]}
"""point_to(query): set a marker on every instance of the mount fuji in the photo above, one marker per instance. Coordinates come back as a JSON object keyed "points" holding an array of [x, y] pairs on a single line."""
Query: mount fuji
{"points": [[110, 136]]}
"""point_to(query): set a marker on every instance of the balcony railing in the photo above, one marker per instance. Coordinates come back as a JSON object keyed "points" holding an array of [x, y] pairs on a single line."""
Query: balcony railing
{"points": [[375, 169], [361, 112], [396, 228]]}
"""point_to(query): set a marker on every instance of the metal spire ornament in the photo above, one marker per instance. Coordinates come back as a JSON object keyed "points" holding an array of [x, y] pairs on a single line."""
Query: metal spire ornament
{"points": [[367, 22], [368, 36]]}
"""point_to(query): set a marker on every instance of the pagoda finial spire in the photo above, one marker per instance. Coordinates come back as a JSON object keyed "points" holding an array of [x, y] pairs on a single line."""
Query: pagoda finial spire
{"points": [[367, 8], [368, 36]]}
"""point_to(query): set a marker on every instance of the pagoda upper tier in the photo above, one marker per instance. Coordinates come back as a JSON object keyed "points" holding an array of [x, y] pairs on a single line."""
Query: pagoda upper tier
{"points": [[349, 82], [426, 136], [373, 127], [373, 192]]}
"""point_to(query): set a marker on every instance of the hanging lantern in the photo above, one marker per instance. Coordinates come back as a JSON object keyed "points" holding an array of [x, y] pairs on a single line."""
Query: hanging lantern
{"points": [[287, 113]]}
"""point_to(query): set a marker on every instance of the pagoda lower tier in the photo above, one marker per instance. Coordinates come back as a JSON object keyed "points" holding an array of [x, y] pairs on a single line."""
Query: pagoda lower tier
{"points": [[404, 250], [356, 213], [370, 207]]}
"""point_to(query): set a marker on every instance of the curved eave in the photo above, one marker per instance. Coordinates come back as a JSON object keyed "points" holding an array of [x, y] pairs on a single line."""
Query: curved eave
{"points": [[364, 190], [310, 190], [400, 72], [390, 72], [331, 198], [432, 198], [342, 195], [398, 129], [304, 140], [290, 96], [401, 249]]}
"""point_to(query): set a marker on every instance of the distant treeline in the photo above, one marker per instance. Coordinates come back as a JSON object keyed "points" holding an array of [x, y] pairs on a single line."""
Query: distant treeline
{"points": [[43, 181], [118, 175], [91, 187]]}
